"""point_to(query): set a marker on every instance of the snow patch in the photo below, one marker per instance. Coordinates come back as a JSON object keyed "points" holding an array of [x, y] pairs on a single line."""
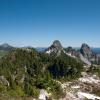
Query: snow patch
{"points": [[49, 51], [69, 54]]}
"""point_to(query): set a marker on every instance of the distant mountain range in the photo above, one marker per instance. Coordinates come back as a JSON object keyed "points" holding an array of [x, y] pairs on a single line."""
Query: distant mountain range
{"points": [[7, 47], [95, 49], [85, 53]]}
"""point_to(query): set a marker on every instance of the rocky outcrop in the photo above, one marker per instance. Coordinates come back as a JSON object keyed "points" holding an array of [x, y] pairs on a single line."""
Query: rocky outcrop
{"points": [[79, 54], [4, 81], [43, 95], [84, 60], [72, 51], [86, 51], [56, 47], [98, 58], [88, 54]]}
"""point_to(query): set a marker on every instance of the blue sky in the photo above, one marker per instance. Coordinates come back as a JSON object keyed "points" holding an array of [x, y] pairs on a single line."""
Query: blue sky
{"points": [[39, 22]]}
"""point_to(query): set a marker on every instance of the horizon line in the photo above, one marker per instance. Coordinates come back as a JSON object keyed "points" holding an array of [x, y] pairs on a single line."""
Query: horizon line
{"points": [[44, 46]]}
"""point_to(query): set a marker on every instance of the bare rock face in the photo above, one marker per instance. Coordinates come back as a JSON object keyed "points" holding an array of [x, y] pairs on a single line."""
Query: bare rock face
{"points": [[72, 51], [84, 60], [57, 44], [86, 51], [88, 54], [56, 47], [4, 81], [85, 54]]}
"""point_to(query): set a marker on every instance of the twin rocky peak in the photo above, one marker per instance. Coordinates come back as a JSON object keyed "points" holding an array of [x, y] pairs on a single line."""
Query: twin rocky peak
{"points": [[84, 53]]}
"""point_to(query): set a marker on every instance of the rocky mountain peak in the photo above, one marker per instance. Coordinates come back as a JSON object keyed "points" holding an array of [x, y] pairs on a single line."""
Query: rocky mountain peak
{"points": [[57, 44], [5, 45], [85, 46], [56, 47], [86, 51]]}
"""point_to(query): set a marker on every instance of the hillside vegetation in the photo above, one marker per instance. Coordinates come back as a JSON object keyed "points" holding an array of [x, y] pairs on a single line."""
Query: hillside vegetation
{"points": [[23, 72]]}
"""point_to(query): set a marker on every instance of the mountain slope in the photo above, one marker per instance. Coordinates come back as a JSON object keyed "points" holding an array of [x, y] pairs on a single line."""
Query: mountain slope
{"points": [[88, 54], [4, 49], [24, 72]]}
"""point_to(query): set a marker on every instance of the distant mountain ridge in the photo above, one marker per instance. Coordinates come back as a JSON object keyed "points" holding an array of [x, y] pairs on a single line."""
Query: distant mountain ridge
{"points": [[6, 47], [85, 53], [96, 50]]}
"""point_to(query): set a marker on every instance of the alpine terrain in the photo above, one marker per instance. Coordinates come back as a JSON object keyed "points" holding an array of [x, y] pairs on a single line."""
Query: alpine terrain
{"points": [[56, 73]]}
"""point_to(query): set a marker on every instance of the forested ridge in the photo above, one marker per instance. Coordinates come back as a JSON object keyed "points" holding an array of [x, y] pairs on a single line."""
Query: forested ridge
{"points": [[23, 72]]}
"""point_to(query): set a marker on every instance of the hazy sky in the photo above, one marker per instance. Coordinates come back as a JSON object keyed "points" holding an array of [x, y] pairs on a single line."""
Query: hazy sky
{"points": [[38, 22]]}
